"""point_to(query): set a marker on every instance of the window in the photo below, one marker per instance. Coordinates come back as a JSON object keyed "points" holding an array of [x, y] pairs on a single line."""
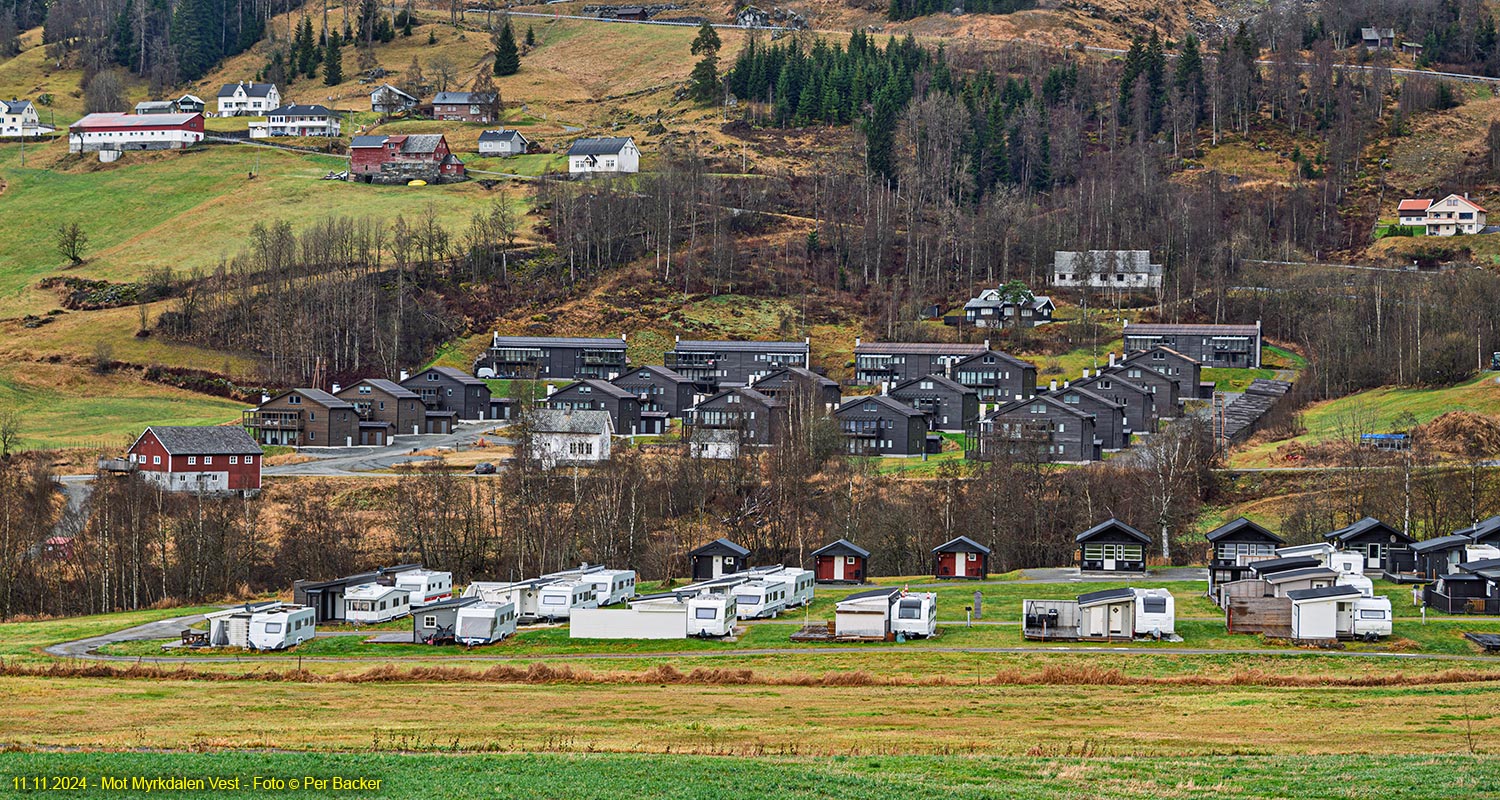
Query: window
{"points": [[1371, 614], [208, 460], [429, 621], [192, 461], [156, 459], [706, 613], [973, 556], [1154, 605], [234, 459], [909, 609], [273, 627], [849, 559], [553, 599]]}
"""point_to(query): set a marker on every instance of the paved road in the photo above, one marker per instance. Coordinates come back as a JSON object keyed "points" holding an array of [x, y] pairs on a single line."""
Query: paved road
{"points": [[346, 461], [161, 629]]}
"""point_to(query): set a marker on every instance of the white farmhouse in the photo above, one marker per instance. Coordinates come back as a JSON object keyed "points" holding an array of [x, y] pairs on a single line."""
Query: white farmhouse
{"points": [[570, 437], [19, 118], [611, 155], [252, 99], [1106, 269], [296, 120]]}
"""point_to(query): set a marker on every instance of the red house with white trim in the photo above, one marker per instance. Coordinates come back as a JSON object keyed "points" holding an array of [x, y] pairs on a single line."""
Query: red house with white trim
{"points": [[962, 558], [97, 132], [204, 458], [403, 158]]}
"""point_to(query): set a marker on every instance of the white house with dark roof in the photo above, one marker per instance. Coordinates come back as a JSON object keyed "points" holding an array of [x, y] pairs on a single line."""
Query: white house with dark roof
{"points": [[1106, 269], [19, 118], [990, 310], [297, 120], [252, 99], [203, 458], [570, 437], [387, 99], [503, 143], [610, 155]]}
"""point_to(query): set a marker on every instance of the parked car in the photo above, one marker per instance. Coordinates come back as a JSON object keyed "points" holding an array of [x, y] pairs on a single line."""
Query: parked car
{"points": [[484, 468]]}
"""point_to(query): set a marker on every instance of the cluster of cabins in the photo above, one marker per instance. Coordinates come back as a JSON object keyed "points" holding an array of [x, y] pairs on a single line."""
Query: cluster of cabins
{"points": [[730, 394], [373, 411]]}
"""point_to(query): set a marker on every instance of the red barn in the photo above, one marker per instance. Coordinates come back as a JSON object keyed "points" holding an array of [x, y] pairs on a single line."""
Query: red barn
{"points": [[198, 458], [404, 158], [134, 132], [962, 558], [841, 562]]}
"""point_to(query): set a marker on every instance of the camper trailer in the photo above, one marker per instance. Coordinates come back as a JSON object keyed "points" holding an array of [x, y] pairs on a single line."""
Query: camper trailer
{"points": [[557, 600], [1346, 562], [373, 603], [761, 598], [261, 626], [800, 583], [485, 623], [612, 585], [711, 614], [525, 594], [426, 586], [914, 615], [1369, 618], [1155, 613]]}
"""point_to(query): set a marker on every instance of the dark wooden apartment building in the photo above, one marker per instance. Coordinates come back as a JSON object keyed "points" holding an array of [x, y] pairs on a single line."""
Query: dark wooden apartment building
{"points": [[1042, 428], [663, 394], [388, 409], [1166, 402], [303, 418], [552, 358], [1138, 402], [880, 425], [890, 363], [998, 377], [623, 407], [786, 383], [758, 418], [1210, 345], [446, 390], [1185, 372], [949, 405], [1110, 423], [712, 366]]}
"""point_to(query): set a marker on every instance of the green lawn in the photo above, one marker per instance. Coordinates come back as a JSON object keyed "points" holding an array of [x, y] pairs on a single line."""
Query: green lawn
{"points": [[1058, 775], [22, 641]]}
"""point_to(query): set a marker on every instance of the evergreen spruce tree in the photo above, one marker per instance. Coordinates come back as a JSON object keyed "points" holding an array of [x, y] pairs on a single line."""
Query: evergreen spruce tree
{"points": [[195, 34], [406, 24], [530, 36], [1189, 76], [703, 83], [333, 61], [507, 55], [125, 50]]}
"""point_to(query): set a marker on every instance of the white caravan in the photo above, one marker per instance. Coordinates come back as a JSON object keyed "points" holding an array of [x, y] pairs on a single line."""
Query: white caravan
{"points": [[1367, 618], [426, 586], [801, 583], [261, 626], [711, 615], [1155, 613], [373, 603], [525, 594], [914, 615], [611, 585], [484, 623], [761, 598], [557, 600]]}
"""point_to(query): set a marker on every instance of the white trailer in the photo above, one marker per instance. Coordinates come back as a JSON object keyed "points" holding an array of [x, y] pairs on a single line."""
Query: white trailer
{"points": [[426, 586], [558, 600], [914, 615], [711, 615], [1346, 562], [261, 626], [525, 594], [656, 618], [1155, 613], [801, 582], [485, 623], [762, 598], [373, 603], [611, 585], [1367, 618]]}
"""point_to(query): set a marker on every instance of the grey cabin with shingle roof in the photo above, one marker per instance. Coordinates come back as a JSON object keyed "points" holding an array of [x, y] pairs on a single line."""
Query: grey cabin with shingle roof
{"points": [[949, 405], [1185, 371], [1137, 401], [758, 418], [1211, 345], [503, 142]]}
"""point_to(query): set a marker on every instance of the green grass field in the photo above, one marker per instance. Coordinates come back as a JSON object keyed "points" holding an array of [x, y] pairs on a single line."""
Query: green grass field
{"points": [[1057, 775]]}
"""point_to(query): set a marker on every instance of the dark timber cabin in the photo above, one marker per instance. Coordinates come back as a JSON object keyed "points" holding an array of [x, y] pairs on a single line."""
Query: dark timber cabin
{"points": [[1386, 549], [1236, 540], [1112, 546], [716, 559]]}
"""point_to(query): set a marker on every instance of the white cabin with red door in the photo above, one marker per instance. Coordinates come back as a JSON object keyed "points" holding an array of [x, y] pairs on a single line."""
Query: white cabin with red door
{"points": [[201, 458], [962, 558], [842, 561]]}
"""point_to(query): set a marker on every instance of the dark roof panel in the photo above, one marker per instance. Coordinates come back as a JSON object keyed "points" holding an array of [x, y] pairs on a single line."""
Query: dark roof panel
{"points": [[719, 546], [1113, 525], [1323, 592], [1105, 596], [1242, 527], [961, 544], [841, 547]]}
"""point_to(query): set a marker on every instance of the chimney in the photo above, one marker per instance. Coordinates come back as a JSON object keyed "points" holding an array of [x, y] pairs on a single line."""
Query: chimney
{"points": [[265, 398], [677, 339], [1111, 358], [1085, 373], [405, 375], [622, 336], [1018, 397], [856, 341], [986, 344], [885, 387], [1065, 384], [550, 389], [1052, 387], [336, 389]]}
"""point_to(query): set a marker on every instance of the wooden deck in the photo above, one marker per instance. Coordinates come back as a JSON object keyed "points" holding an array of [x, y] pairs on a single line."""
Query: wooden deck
{"points": [[1270, 616]]}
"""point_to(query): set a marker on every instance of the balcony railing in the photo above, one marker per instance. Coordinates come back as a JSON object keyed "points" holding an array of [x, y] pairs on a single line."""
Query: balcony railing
{"points": [[1459, 605], [272, 421]]}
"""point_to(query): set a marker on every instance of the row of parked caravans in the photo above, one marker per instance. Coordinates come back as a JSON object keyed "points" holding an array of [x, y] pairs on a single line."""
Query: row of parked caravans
{"points": [[1110, 615], [708, 608], [259, 626], [557, 596], [1310, 593], [377, 602]]}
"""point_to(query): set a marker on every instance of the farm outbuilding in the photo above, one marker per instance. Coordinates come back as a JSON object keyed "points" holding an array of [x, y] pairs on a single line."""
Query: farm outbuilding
{"points": [[841, 561], [962, 557], [1112, 546], [716, 559]]}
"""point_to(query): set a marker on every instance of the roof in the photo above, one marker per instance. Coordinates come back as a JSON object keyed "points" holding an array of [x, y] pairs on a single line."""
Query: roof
{"points": [[868, 593], [608, 343], [1051, 400], [321, 397], [371, 590], [295, 110], [501, 135], [450, 372], [548, 420], [1461, 199], [1300, 574], [599, 147], [1105, 596], [1175, 329], [459, 98], [389, 387], [210, 440], [739, 346], [190, 98], [1086, 392], [990, 298], [368, 141], [1441, 543], [1363, 526], [594, 384], [1128, 261], [841, 547], [668, 374], [938, 348], [452, 602], [1001, 356], [117, 120], [886, 401], [719, 545], [961, 544], [1238, 526], [1413, 204], [1323, 593], [155, 104], [756, 396], [361, 577], [796, 372], [938, 380], [252, 89], [1113, 524], [1482, 529], [386, 87], [15, 106], [421, 142], [1273, 565], [1136, 356]]}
